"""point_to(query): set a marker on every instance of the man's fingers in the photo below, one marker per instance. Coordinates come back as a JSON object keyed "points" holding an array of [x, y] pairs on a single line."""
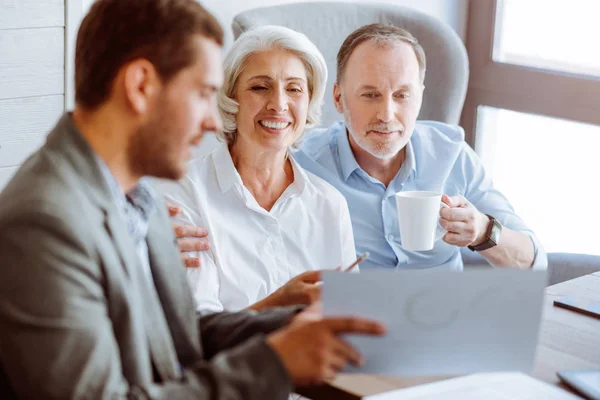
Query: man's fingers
{"points": [[457, 201], [354, 325], [193, 245], [349, 353], [453, 226], [187, 231], [191, 262], [453, 238], [336, 361], [446, 200], [201, 232], [180, 231], [173, 210], [455, 214], [329, 373]]}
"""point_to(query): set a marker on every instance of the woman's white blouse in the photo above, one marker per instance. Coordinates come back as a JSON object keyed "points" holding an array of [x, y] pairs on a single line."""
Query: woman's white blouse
{"points": [[253, 251]]}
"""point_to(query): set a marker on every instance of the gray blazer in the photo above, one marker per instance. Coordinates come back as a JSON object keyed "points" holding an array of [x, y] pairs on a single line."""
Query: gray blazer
{"points": [[77, 316]]}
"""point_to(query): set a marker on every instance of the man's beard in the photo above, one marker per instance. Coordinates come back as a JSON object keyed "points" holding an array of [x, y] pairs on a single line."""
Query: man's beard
{"points": [[382, 149], [150, 151]]}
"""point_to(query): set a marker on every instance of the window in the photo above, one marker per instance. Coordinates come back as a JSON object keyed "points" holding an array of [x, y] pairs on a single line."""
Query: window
{"points": [[562, 38], [539, 163], [533, 112]]}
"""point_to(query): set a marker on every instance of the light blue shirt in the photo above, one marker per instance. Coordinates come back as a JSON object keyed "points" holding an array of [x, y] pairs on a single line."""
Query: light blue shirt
{"points": [[437, 159]]}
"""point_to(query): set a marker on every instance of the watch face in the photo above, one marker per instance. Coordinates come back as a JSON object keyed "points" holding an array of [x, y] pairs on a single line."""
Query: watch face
{"points": [[495, 232], [492, 236]]}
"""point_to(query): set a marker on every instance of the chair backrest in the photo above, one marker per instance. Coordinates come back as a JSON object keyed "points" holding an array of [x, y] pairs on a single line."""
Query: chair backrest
{"points": [[565, 266], [327, 24]]}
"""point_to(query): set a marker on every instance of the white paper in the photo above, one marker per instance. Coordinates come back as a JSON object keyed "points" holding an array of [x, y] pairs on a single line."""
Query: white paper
{"points": [[488, 386], [442, 322]]}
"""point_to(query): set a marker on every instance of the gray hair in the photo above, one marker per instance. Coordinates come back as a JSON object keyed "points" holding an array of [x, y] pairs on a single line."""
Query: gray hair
{"points": [[261, 39], [382, 35]]}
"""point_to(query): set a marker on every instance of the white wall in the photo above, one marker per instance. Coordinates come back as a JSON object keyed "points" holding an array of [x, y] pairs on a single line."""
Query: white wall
{"points": [[453, 12], [31, 77], [35, 74]]}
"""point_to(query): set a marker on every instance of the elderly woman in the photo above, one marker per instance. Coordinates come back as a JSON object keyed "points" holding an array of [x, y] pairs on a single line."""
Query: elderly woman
{"points": [[269, 220]]}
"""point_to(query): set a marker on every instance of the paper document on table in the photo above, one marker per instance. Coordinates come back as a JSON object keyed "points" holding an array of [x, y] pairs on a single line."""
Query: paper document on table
{"points": [[441, 322], [488, 386]]}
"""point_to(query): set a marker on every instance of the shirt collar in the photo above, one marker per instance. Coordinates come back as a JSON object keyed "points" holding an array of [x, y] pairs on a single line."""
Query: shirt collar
{"points": [[409, 165], [301, 181], [227, 174], [141, 196], [349, 164]]}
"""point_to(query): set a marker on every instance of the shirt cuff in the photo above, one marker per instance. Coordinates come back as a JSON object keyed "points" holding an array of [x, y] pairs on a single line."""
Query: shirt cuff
{"points": [[274, 318], [540, 261]]}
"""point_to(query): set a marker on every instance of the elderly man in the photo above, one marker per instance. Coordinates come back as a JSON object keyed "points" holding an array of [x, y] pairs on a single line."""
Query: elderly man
{"points": [[93, 295], [381, 149]]}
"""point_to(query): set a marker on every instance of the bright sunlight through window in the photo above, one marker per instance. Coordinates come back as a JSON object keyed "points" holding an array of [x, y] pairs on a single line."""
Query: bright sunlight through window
{"points": [[548, 168], [549, 34]]}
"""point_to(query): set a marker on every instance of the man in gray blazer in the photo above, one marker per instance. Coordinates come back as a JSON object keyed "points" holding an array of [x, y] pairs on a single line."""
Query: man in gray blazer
{"points": [[94, 301]]}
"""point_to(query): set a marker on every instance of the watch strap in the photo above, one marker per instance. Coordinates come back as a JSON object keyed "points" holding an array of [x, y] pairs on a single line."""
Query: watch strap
{"points": [[492, 235]]}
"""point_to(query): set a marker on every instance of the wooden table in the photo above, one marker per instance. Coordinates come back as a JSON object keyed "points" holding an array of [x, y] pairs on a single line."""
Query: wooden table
{"points": [[568, 340]]}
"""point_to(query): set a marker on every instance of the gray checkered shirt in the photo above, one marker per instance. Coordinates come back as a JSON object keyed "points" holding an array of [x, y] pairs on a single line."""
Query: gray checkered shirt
{"points": [[135, 207]]}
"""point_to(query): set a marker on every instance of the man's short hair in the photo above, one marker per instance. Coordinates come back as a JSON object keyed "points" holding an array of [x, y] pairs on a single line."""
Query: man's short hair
{"points": [[116, 32], [381, 34]]}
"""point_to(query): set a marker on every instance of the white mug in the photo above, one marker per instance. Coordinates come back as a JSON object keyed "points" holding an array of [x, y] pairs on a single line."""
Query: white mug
{"points": [[418, 219]]}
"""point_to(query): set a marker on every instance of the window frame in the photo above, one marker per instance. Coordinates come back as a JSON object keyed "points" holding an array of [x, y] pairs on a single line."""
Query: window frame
{"points": [[519, 88]]}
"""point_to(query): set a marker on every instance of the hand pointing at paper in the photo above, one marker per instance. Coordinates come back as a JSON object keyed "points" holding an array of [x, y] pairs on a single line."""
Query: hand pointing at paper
{"points": [[312, 348]]}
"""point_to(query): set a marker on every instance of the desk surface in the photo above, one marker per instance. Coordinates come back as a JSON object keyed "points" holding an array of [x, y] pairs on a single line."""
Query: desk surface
{"points": [[568, 340]]}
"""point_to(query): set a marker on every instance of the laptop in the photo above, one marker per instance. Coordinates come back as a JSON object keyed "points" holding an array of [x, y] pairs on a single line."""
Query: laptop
{"points": [[442, 322]]}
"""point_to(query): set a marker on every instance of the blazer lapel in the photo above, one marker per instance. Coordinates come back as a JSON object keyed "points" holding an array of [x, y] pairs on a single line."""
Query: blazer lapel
{"points": [[123, 242], [68, 142], [156, 329], [172, 287]]}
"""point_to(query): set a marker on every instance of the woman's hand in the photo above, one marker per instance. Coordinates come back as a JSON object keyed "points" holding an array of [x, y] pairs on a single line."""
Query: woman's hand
{"points": [[304, 289]]}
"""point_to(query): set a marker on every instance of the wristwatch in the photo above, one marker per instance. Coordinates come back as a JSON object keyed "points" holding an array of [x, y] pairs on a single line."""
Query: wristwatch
{"points": [[492, 236]]}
